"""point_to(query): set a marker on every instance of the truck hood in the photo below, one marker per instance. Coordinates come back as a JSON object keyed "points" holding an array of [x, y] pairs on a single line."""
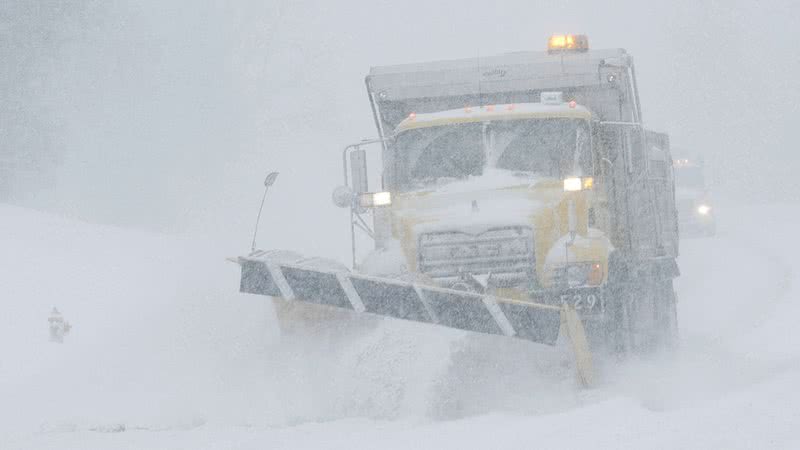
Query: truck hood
{"points": [[477, 204]]}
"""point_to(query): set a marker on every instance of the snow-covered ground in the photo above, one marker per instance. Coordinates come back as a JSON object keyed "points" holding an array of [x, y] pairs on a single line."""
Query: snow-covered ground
{"points": [[164, 353]]}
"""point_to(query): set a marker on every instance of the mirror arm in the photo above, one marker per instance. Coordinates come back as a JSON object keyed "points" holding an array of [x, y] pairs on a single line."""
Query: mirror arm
{"points": [[363, 226], [355, 146], [353, 212]]}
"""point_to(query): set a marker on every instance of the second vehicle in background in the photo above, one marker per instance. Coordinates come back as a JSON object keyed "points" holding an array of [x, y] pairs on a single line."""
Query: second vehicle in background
{"points": [[692, 198]]}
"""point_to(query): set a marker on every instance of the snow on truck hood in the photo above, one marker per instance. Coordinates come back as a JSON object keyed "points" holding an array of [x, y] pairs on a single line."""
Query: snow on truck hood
{"points": [[491, 179], [497, 198]]}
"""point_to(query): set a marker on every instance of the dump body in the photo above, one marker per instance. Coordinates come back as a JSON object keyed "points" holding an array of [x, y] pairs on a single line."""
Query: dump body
{"points": [[603, 80]]}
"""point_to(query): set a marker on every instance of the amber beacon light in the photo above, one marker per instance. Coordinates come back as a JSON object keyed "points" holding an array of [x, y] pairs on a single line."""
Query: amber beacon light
{"points": [[567, 43]]}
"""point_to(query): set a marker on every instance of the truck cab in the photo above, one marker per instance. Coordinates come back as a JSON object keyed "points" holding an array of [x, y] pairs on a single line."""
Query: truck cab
{"points": [[479, 198]]}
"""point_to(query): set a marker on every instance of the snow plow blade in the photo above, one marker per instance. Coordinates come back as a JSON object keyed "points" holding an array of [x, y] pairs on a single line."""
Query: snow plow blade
{"points": [[419, 303]]}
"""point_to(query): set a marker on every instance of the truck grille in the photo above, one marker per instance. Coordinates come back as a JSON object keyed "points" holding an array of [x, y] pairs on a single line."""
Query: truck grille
{"points": [[507, 253]]}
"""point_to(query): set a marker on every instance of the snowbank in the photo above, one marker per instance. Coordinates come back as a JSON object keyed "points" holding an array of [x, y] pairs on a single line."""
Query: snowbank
{"points": [[165, 354]]}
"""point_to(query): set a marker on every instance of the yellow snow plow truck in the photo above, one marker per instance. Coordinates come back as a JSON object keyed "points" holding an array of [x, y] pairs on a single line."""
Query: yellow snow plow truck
{"points": [[520, 195]]}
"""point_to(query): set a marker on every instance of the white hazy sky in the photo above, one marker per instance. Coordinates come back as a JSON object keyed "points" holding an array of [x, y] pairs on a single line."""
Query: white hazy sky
{"points": [[171, 113]]}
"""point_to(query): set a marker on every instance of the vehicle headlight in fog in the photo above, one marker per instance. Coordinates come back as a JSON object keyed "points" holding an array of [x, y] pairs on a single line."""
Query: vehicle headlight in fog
{"points": [[382, 199], [574, 184], [703, 210], [373, 199]]}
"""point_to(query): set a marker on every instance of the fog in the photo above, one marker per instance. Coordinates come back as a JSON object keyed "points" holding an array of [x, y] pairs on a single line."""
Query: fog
{"points": [[161, 119], [166, 117]]}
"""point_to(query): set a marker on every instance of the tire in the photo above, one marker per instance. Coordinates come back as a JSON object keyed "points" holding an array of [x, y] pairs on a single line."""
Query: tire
{"points": [[616, 337], [667, 317], [643, 318], [642, 312]]}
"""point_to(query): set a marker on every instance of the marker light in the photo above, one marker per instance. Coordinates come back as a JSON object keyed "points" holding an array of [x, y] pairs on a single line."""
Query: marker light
{"points": [[375, 199], [412, 116], [595, 275], [567, 42], [703, 210], [573, 103], [680, 162], [574, 184]]}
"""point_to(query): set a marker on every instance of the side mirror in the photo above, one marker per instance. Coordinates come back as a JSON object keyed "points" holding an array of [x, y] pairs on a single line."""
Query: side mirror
{"points": [[358, 170]]}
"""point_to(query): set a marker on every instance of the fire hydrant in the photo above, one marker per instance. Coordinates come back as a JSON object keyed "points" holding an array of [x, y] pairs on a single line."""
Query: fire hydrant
{"points": [[58, 326]]}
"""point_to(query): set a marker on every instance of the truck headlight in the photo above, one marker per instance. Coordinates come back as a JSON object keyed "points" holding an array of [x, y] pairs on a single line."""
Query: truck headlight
{"points": [[574, 184], [375, 199], [703, 210]]}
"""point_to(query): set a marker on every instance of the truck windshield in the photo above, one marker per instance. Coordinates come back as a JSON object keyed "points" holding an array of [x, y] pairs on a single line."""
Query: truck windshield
{"points": [[551, 148]]}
